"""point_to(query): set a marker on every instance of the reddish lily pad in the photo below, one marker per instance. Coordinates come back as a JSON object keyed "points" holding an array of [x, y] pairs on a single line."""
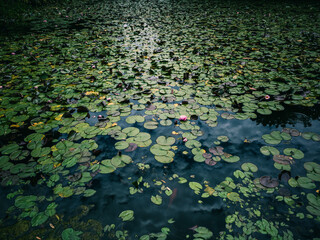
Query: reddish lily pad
{"points": [[269, 182]]}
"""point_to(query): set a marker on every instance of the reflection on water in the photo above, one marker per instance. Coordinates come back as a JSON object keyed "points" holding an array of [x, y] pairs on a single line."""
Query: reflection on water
{"points": [[291, 115]]}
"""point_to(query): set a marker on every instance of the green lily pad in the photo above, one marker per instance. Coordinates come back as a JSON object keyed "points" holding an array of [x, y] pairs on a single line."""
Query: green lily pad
{"points": [[25, 201], [230, 158], [165, 158], [223, 138], [311, 136], [70, 234], [295, 153], [142, 137], [19, 118], [264, 111], [312, 167], [195, 186], [166, 122], [159, 150], [131, 131], [167, 141], [134, 119], [150, 125], [313, 210], [233, 196], [267, 150], [306, 183], [106, 166], [4, 130], [272, 138], [39, 219], [293, 183], [193, 144], [127, 215], [123, 158], [121, 145], [10, 148], [156, 199], [249, 167]]}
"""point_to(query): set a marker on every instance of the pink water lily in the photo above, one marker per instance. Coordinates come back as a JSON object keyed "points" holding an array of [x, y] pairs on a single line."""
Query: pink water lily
{"points": [[184, 139], [44, 20], [267, 97], [183, 118]]}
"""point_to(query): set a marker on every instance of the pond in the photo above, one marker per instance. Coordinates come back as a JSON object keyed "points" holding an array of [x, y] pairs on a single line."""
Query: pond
{"points": [[161, 120]]}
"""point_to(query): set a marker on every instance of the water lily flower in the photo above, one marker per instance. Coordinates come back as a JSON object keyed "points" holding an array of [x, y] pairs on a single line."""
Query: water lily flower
{"points": [[184, 139], [13, 53], [44, 20], [108, 99], [183, 118], [1, 87], [267, 97], [36, 87], [100, 116]]}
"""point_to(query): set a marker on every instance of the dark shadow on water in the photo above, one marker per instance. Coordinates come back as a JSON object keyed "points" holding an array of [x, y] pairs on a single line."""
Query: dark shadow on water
{"points": [[291, 115]]}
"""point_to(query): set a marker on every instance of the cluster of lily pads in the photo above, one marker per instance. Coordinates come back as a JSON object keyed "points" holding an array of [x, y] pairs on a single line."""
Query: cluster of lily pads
{"points": [[153, 82]]}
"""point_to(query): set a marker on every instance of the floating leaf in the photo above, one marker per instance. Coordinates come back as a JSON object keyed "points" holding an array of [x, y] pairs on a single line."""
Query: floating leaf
{"points": [[131, 131], [151, 125], [282, 159], [38, 219], [249, 167], [127, 215], [233, 196], [165, 158], [195, 186], [306, 183], [269, 182], [162, 140], [134, 119], [223, 138], [267, 150], [217, 150], [25, 201], [156, 199], [295, 153], [70, 234], [230, 158], [121, 145], [272, 138]]}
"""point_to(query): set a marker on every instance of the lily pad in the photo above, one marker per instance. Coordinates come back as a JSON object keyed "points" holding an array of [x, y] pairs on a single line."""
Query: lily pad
{"points": [[267, 150], [121, 145], [249, 167], [167, 141], [151, 125], [70, 234], [306, 183], [295, 153], [282, 159], [127, 215], [230, 158], [135, 119], [156, 199], [131, 147], [269, 182], [233, 196]]}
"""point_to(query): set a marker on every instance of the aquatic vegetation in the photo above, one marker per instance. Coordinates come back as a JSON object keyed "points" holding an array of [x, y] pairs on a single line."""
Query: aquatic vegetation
{"points": [[187, 120]]}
